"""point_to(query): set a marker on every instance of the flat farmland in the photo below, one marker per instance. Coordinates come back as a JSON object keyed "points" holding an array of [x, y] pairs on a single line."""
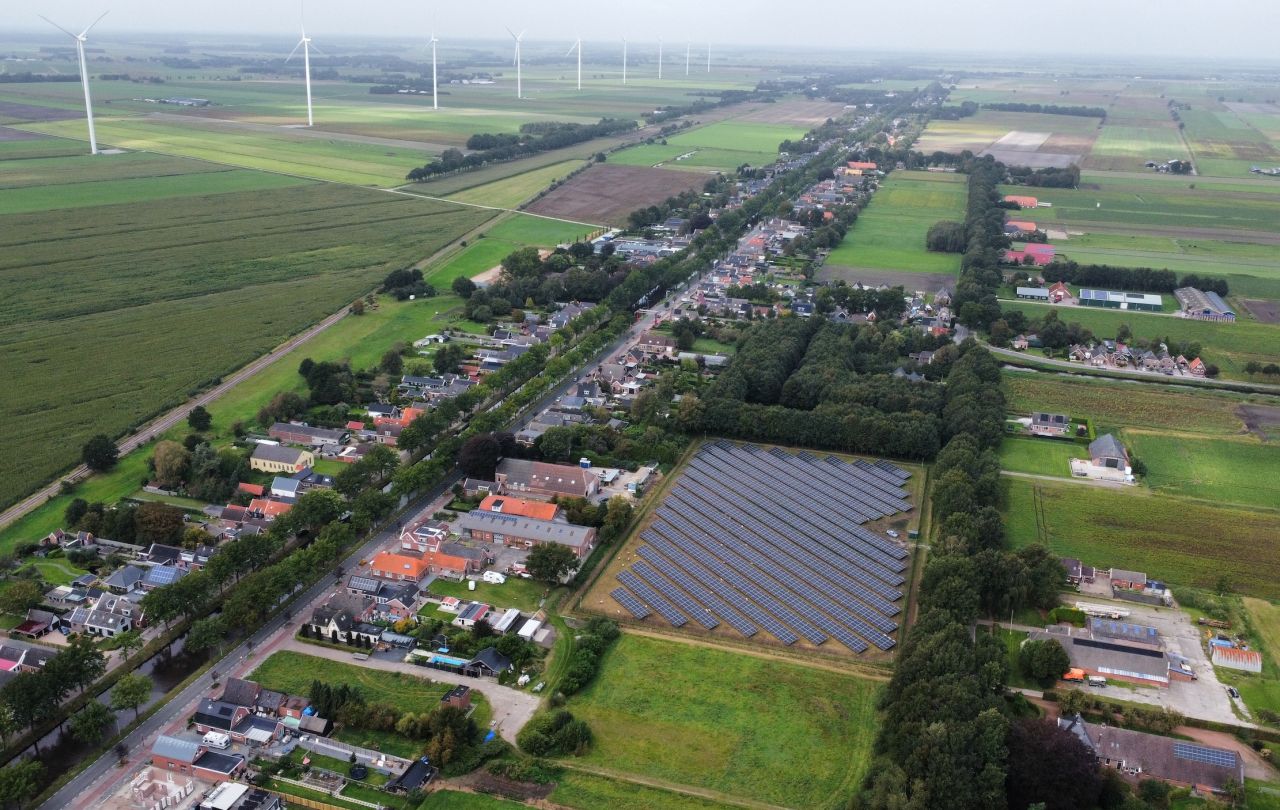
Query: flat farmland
{"points": [[171, 293], [502, 240], [1224, 144], [1186, 542], [759, 729], [1230, 346], [608, 193], [1028, 139], [1240, 470], [890, 233], [337, 160], [1127, 147], [18, 144], [1040, 456], [516, 190]]}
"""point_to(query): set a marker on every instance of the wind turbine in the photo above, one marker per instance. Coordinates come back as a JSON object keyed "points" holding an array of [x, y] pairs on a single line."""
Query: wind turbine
{"points": [[688, 48], [659, 58], [708, 57], [305, 45], [577, 46], [517, 38], [624, 60], [435, 91], [84, 74]]}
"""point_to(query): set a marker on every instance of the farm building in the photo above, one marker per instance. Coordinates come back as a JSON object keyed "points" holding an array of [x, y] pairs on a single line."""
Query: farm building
{"points": [[1117, 658], [524, 532], [1077, 571], [1128, 580], [1236, 658], [1109, 299], [1034, 294], [547, 480], [1016, 227], [519, 507], [1032, 253], [1050, 424], [272, 458], [1203, 305], [1150, 755], [1022, 201]]}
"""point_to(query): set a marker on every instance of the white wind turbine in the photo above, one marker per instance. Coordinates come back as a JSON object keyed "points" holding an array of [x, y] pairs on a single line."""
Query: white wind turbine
{"points": [[305, 45], [517, 38], [688, 49], [624, 60], [435, 90], [708, 57], [659, 58], [84, 74], [577, 46]]}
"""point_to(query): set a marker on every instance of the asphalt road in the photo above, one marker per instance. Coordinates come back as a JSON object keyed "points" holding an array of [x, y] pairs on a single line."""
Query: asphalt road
{"points": [[167, 420], [88, 788]]}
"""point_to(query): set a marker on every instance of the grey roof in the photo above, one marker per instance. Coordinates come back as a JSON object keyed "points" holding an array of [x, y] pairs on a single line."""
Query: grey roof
{"points": [[125, 577], [1160, 757], [161, 575], [492, 659], [216, 713], [465, 552], [292, 428], [538, 531], [1033, 292], [364, 584], [557, 478], [277, 453], [219, 763], [240, 692], [176, 749], [286, 484], [1106, 446]]}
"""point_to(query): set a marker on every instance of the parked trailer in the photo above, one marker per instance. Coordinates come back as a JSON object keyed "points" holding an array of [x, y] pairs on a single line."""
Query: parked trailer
{"points": [[1102, 611]]}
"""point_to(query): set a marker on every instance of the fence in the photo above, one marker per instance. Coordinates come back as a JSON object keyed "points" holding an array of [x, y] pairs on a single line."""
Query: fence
{"points": [[316, 804], [343, 751]]}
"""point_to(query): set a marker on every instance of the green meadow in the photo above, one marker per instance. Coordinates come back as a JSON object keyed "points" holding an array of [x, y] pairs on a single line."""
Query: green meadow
{"points": [[1039, 456], [1237, 470], [510, 192], [890, 232]]}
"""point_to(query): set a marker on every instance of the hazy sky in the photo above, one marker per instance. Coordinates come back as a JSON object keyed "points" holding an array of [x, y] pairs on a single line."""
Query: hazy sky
{"points": [[1224, 28]]}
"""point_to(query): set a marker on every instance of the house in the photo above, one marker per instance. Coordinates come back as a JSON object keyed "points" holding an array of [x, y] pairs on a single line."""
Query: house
{"points": [[106, 616], [392, 600], [388, 433], [37, 623], [1109, 299], [175, 755], [1106, 451], [548, 480], [1196, 367], [268, 509], [219, 715], [475, 486], [489, 663], [1203, 305], [1050, 424], [520, 507], [458, 697], [239, 692], [285, 487], [1020, 227], [1022, 201], [124, 579], [159, 576], [1236, 658], [471, 615], [256, 490], [1059, 292], [521, 532], [1078, 572], [1032, 253], [654, 343], [1020, 343], [1127, 580], [1142, 755], [274, 458], [306, 435], [342, 618], [400, 567], [257, 729]]}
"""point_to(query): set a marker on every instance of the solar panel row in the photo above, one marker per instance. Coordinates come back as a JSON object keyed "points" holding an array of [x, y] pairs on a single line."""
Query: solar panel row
{"points": [[651, 598], [699, 613], [623, 597], [704, 596]]}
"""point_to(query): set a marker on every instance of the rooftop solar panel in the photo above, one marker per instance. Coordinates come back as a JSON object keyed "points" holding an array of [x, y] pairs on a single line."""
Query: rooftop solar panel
{"points": [[1200, 753]]}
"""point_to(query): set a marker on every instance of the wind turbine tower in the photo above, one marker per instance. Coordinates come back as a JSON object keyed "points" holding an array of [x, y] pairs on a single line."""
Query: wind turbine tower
{"points": [[659, 58], [84, 74], [708, 57], [577, 46], [688, 49], [305, 45], [435, 90], [624, 60], [519, 85]]}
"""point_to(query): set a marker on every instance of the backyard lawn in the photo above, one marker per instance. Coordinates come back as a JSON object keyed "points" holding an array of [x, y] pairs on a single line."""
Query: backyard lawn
{"points": [[1040, 456], [524, 594]]}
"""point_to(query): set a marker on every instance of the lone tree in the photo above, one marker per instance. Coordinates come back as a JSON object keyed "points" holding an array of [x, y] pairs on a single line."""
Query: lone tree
{"points": [[199, 419], [479, 456], [549, 562], [1045, 661], [130, 692], [100, 453]]}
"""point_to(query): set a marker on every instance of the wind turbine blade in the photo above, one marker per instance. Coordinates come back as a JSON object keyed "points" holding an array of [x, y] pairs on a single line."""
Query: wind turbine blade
{"points": [[316, 48], [55, 25], [509, 31], [522, 34], [92, 24], [572, 48], [294, 51]]}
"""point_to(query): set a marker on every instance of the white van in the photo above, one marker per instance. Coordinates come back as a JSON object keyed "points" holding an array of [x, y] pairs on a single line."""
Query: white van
{"points": [[1095, 680], [494, 578], [216, 739]]}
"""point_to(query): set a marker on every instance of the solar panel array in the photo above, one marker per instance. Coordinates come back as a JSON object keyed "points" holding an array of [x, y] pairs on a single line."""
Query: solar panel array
{"points": [[1200, 753], [769, 540]]}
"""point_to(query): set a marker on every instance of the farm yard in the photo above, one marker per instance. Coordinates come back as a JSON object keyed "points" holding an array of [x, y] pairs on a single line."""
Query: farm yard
{"points": [[270, 262], [890, 233], [608, 193], [762, 730], [1182, 541]]}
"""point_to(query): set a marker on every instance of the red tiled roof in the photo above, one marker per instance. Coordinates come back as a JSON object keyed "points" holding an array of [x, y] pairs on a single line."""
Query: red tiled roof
{"points": [[251, 489]]}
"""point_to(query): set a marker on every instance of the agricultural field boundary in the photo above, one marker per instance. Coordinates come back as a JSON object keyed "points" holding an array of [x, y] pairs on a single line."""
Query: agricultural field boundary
{"points": [[670, 787]]}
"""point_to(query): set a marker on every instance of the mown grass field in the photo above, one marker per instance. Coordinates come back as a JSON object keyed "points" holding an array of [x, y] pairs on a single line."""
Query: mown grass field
{"points": [[1238, 470], [1112, 405], [525, 594], [697, 716], [170, 293], [1039, 456], [293, 673], [1186, 542], [589, 792], [1229, 346], [510, 192], [890, 232]]}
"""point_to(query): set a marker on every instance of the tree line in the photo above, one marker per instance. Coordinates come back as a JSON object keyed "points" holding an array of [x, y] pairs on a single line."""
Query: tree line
{"points": [[492, 148], [1047, 109], [1148, 279]]}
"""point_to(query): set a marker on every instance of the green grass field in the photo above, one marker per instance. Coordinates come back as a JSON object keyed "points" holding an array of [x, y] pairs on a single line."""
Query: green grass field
{"points": [[455, 800], [1169, 538], [293, 673], [170, 293], [525, 594], [510, 192], [890, 233], [1039, 456], [762, 730], [589, 792], [1124, 147], [1229, 346], [1239, 470]]}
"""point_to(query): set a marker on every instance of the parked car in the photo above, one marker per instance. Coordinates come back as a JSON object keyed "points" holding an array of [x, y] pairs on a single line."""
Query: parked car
{"points": [[1235, 693]]}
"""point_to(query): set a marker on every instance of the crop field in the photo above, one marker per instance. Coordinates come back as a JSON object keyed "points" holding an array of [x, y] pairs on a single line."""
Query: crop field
{"points": [[1112, 405], [721, 146], [511, 192], [1224, 144], [539, 231], [16, 144], [763, 730], [1187, 542], [1039, 456], [1230, 346], [890, 233], [1031, 139], [279, 151], [171, 293], [1240, 470], [1126, 147], [608, 193]]}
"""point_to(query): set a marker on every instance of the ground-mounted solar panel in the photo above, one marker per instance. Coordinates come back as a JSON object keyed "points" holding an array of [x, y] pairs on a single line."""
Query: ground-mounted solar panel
{"points": [[679, 573], [806, 485], [697, 612], [893, 469], [869, 504], [1209, 756], [869, 485], [623, 597], [651, 598]]}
